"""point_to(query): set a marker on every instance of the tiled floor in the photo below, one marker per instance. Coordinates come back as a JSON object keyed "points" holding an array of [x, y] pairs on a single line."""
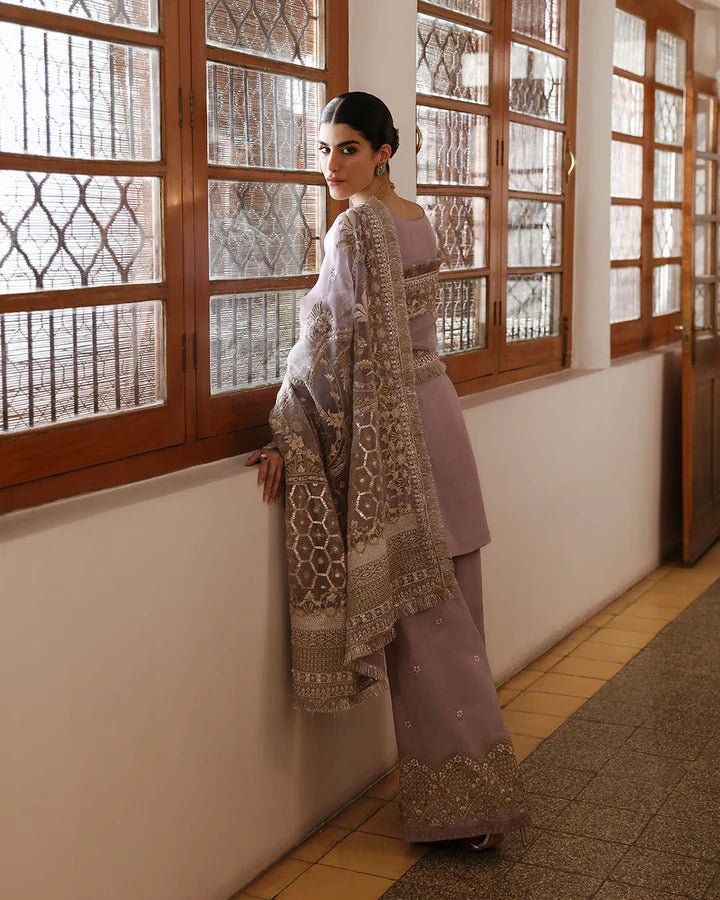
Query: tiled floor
{"points": [[360, 855]]}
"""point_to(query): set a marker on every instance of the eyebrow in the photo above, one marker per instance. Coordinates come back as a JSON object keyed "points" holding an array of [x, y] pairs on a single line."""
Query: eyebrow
{"points": [[341, 144]]}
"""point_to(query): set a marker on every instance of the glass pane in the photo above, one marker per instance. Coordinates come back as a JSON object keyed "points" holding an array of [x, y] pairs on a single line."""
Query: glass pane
{"points": [[452, 60], [704, 115], [666, 290], [142, 14], [667, 232], [479, 9], [533, 306], [629, 45], [250, 338], [537, 83], [625, 232], [455, 147], [64, 364], [63, 231], [624, 295], [461, 226], [668, 176], [261, 228], [461, 315], [626, 172], [535, 159], [290, 30], [63, 95], [704, 175], [669, 118], [704, 303], [703, 250], [260, 119], [544, 20], [670, 59], [534, 233], [627, 106]]}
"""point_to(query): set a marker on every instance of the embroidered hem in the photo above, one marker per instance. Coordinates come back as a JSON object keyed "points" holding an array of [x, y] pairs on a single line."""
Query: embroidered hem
{"points": [[464, 796]]}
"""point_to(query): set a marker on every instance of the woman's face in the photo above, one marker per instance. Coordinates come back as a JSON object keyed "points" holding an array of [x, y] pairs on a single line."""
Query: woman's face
{"points": [[348, 160]]}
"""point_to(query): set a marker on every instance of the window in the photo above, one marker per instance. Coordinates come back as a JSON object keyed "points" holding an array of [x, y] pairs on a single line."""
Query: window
{"points": [[495, 108], [153, 243], [653, 47], [706, 207]]}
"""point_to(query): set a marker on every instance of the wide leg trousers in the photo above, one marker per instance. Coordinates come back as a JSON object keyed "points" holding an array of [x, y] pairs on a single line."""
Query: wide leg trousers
{"points": [[458, 773]]}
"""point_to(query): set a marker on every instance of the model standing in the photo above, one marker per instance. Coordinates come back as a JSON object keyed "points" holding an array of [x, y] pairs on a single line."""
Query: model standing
{"points": [[383, 510]]}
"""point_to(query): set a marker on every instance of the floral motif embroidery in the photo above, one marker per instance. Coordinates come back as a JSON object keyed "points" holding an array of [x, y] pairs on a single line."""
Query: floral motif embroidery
{"points": [[364, 534], [463, 795]]}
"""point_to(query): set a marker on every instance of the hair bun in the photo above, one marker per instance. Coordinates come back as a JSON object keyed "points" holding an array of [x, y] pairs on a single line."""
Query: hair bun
{"points": [[395, 142]]}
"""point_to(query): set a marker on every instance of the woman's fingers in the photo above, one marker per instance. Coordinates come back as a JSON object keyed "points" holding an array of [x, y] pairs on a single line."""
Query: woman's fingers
{"points": [[273, 478], [270, 471], [253, 458], [277, 480]]}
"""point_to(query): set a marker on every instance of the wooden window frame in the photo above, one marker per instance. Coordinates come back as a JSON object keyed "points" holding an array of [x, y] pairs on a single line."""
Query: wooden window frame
{"points": [[702, 85], [67, 459], [651, 331], [501, 362]]}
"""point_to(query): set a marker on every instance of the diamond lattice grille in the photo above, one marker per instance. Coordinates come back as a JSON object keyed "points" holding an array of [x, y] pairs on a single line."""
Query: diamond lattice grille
{"points": [[289, 30], [62, 231], [264, 229]]}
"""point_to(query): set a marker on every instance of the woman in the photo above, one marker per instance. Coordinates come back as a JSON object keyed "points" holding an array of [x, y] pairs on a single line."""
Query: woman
{"points": [[384, 515]]}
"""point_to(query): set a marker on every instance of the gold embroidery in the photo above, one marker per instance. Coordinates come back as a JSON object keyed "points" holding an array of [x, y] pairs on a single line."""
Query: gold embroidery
{"points": [[463, 796], [364, 534], [427, 365], [421, 287]]}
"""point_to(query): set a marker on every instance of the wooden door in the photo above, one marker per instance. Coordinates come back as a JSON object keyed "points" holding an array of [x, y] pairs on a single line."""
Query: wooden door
{"points": [[700, 331]]}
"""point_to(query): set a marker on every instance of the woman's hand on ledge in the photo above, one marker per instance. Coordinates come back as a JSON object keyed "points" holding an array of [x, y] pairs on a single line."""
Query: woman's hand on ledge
{"points": [[270, 473]]}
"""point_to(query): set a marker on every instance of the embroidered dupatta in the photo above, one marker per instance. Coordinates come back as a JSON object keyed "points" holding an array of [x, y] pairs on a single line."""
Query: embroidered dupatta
{"points": [[364, 534]]}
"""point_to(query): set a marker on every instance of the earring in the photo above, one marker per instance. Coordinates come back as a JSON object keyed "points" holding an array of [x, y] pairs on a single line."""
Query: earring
{"points": [[381, 169]]}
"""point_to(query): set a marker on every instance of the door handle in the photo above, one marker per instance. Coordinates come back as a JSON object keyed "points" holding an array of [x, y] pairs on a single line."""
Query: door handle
{"points": [[573, 162]]}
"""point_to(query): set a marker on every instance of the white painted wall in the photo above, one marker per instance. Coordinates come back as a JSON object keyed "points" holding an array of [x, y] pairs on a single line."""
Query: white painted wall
{"points": [[148, 750]]}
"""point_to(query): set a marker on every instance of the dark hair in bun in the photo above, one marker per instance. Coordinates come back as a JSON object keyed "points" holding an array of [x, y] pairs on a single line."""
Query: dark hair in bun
{"points": [[366, 114]]}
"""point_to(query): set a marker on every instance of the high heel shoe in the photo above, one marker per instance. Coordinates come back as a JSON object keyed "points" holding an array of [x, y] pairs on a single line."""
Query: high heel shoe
{"points": [[485, 841]]}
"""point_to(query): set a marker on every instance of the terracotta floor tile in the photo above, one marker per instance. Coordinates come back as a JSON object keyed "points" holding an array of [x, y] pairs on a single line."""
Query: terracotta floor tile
{"points": [[522, 679], [530, 723], [374, 855], [505, 695], [546, 661], [358, 812], [671, 601], [682, 589], [386, 789], [570, 685], [385, 822], [626, 622], [582, 633], [566, 645], [621, 604], [549, 704], [600, 619], [326, 883], [650, 610], [621, 638], [611, 652], [588, 668], [524, 745], [319, 844], [270, 883]]}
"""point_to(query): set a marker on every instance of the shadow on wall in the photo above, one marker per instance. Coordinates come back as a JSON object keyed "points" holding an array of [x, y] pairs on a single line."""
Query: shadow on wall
{"points": [[670, 524]]}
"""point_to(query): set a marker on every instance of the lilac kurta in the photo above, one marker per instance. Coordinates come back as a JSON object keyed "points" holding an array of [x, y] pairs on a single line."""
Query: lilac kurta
{"points": [[448, 443], [458, 773]]}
